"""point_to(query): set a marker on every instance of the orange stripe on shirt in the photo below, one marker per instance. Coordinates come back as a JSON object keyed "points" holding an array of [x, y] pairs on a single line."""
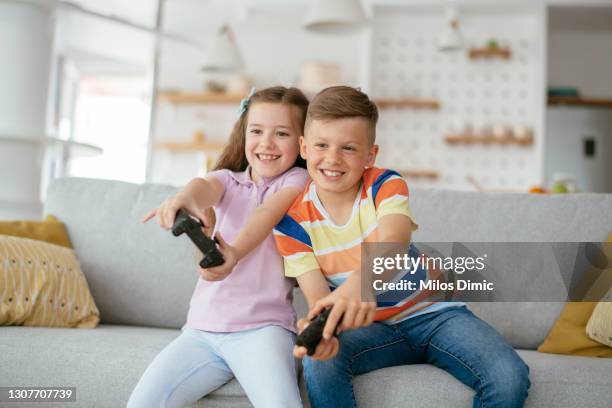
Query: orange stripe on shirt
{"points": [[288, 246], [370, 176], [391, 188]]}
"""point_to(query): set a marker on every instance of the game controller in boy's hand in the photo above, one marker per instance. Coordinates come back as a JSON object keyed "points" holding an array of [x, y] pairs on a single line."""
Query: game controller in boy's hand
{"points": [[313, 333], [185, 223]]}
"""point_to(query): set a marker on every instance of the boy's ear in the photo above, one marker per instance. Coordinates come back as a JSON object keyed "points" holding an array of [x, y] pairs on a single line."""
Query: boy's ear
{"points": [[303, 147], [372, 155]]}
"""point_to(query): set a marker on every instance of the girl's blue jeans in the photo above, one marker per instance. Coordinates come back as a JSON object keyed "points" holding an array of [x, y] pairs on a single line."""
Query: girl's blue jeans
{"points": [[452, 339]]}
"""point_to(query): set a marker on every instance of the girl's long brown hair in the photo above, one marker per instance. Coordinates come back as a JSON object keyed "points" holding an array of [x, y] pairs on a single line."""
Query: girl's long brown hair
{"points": [[233, 157]]}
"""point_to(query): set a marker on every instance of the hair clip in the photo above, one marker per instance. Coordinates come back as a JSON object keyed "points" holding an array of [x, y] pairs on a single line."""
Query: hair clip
{"points": [[244, 103]]}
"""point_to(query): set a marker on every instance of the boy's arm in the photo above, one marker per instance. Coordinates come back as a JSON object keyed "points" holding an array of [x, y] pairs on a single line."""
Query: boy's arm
{"points": [[314, 286], [358, 306], [198, 195], [397, 229], [258, 227]]}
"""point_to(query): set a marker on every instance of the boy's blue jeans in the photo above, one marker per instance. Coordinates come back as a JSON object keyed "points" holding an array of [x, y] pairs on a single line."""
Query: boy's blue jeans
{"points": [[452, 339]]}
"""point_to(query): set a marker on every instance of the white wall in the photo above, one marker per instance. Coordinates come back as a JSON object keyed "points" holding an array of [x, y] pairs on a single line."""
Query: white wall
{"points": [[25, 46], [582, 60], [407, 62], [274, 46], [568, 127], [580, 56], [87, 38]]}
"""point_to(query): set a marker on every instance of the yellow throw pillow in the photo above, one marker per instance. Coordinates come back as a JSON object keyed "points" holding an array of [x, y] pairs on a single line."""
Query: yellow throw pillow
{"points": [[42, 284], [568, 335], [50, 230], [599, 327]]}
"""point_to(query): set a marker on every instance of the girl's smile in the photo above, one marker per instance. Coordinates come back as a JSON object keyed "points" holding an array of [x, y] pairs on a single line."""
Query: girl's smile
{"points": [[271, 142]]}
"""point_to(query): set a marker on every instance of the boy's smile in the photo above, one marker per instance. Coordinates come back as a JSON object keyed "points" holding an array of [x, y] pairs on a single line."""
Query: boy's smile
{"points": [[337, 152]]}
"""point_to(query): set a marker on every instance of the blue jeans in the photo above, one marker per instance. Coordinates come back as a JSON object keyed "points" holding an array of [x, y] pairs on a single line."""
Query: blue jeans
{"points": [[198, 362], [452, 339]]}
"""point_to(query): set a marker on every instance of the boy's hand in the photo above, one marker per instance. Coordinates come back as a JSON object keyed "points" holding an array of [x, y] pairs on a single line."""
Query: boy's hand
{"points": [[222, 271], [325, 350], [349, 310], [166, 212]]}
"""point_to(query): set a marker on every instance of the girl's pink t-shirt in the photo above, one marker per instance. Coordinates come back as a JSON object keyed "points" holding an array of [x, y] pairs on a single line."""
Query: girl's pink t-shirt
{"points": [[256, 293]]}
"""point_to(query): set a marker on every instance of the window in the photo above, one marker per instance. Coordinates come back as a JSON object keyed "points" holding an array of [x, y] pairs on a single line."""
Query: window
{"points": [[112, 112]]}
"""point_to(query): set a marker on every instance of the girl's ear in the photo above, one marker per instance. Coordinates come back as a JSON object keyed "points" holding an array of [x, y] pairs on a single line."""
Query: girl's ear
{"points": [[303, 147], [372, 155]]}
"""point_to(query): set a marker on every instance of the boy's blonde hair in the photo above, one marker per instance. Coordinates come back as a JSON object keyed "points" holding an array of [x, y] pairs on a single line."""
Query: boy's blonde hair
{"points": [[339, 102]]}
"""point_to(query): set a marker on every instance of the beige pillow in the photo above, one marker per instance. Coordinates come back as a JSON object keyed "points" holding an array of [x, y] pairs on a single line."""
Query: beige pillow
{"points": [[599, 327], [41, 284]]}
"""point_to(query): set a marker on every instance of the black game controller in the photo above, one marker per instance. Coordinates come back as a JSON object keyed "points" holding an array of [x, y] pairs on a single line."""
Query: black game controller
{"points": [[313, 333], [192, 226]]}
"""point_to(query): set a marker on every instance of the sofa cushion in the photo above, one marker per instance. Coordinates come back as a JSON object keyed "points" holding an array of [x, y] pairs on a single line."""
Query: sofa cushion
{"points": [[139, 274], [455, 216], [449, 216], [104, 363], [556, 381], [523, 324], [151, 275], [41, 284]]}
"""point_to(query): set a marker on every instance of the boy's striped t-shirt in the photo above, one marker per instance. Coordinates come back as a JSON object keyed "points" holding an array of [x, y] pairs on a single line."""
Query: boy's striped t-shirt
{"points": [[308, 239]]}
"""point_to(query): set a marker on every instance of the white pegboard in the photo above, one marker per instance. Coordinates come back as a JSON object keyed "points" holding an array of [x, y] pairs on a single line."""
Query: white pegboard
{"points": [[405, 62]]}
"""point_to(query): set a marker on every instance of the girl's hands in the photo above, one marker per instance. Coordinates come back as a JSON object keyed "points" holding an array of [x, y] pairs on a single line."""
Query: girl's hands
{"points": [[325, 350], [222, 271], [166, 212]]}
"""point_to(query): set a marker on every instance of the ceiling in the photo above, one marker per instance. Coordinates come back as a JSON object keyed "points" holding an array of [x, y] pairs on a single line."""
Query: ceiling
{"points": [[187, 16]]}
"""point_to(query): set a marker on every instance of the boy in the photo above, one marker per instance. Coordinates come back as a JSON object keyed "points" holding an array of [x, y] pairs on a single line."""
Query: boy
{"points": [[349, 202]]}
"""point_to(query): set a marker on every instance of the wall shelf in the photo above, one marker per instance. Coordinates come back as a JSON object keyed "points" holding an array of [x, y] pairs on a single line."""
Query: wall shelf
{"points": [[579, 101], [197, 143], [487, 140], [420, 174], [385, 103], [490, 52], [179, 98]]}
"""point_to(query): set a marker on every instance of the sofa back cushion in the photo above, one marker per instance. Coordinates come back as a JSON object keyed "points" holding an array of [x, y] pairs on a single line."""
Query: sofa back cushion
{"points": [[141, 274], [453, 216], [138, 273]]}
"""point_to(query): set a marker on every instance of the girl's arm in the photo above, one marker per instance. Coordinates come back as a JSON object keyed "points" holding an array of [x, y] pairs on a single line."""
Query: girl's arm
{"points": [[263, 219], [198, 195], [257, 228]]}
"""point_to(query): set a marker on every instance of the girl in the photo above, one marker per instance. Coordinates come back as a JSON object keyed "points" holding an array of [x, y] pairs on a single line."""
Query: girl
{"points": [[239, 324]]}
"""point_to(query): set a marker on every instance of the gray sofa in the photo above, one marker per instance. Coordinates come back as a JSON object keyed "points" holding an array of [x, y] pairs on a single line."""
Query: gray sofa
{"points": [[142, 279]]}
